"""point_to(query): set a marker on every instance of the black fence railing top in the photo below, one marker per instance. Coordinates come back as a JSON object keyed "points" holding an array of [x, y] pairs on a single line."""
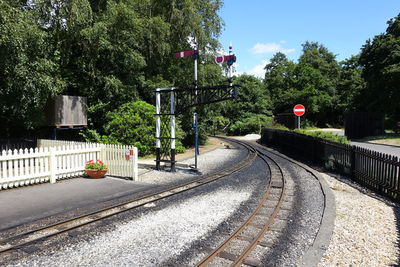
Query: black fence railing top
{"points": [[375, 170]]}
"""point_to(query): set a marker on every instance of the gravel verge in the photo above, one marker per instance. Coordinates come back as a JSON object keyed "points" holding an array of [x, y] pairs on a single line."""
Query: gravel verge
{"points": [[365, 232], [207, 163]]}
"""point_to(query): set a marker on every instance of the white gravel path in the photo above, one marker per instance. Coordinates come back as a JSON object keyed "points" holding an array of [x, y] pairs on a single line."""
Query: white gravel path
{"points": [[150, 239], [365, 231]]}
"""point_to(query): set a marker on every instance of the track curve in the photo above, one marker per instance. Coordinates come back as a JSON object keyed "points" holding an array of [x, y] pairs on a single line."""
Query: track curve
{"points": [[228, 253]]}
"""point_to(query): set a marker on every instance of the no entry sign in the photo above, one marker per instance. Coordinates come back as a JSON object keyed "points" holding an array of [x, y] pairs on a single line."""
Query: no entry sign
{"points": [[299, 110]]}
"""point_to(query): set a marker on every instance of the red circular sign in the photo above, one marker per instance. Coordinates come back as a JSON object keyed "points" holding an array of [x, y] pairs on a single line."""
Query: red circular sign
{"points": [[299, 110]]}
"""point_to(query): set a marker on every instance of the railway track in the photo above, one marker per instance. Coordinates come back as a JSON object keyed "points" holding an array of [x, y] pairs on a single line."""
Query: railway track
{"points": [[242, 247], [237, 248], [14, 243]]}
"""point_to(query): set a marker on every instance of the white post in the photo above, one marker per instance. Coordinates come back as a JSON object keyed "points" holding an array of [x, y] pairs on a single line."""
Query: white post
{"points": [[172, 129], [230, 66], [195, 73], [53, 165], [135, 167], [158, 128], [195, 66]]}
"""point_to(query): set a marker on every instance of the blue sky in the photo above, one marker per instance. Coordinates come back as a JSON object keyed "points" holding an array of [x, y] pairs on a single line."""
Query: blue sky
{"points": [[260, 28]]}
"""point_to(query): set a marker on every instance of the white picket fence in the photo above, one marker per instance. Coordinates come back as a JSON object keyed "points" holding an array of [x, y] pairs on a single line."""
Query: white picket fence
{"points": [[56, 160]]}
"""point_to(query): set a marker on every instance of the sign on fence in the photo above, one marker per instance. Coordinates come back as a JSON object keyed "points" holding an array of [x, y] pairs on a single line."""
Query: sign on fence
{"points": [[130, 154]]}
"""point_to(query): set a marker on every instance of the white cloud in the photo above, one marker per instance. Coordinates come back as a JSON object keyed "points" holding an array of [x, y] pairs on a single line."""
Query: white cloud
{"points": [[270, 48], [258, 70]]}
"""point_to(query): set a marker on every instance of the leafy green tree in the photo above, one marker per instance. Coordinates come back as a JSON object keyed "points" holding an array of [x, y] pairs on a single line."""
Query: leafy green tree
{"points": [[253, 100], [350, 84], [28, 77], [312, 82], [112, 51], [317, 77], [380, 59], [280, 81]]}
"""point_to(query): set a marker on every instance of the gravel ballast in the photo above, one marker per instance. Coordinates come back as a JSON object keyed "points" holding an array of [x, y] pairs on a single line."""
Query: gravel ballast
{"points": [[303, 222], [151, 239], [365, 232]]}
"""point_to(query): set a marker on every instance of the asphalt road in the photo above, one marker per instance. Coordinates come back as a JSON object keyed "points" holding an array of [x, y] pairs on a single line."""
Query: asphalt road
{"points": [[387, 149]]}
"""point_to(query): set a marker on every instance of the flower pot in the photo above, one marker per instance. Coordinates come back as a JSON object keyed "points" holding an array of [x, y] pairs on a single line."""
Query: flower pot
{"points": [[96, 173]]}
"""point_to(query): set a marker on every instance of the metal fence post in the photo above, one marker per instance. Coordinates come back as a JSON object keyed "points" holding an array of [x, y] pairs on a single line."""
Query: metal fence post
{"points": [[353, 162]]}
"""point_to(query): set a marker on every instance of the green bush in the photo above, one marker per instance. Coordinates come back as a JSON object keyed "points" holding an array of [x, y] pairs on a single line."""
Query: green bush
{"points": [[251, 124], [131, 124], [325, 135]]}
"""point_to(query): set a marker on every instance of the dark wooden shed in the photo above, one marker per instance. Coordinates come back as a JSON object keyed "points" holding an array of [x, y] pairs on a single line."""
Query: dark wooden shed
{"points": [[363, 124], [66, 111]]}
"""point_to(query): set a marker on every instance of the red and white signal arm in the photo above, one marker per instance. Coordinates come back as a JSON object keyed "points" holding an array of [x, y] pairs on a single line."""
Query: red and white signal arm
{"points": [[299, 110], [229, 58], [129, 154]]}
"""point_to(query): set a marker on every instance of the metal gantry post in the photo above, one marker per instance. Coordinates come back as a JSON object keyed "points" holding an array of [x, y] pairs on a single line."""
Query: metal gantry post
{"points": [[173, 130], [230, 65], [196, 140], [167, 109], [158, 128]]}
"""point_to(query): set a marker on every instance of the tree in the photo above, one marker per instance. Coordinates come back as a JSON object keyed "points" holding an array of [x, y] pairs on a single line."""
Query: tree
{"points": [[317, 78], [380, 59], [111, 51], [311, 82], [279, 80], [251, 107], [350, 84], [28, 77]]}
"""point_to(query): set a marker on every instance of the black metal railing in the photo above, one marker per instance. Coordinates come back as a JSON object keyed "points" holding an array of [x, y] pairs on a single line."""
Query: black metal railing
{"points": [[377, 171]]}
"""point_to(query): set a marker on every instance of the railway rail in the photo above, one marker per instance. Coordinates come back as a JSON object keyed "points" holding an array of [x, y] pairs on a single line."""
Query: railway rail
{"points": [[18, 241], [251, 233]]}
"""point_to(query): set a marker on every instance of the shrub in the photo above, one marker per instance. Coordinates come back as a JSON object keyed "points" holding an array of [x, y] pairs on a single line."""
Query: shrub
{"points": [[325, 135], [131, 124], [251, 124]]}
